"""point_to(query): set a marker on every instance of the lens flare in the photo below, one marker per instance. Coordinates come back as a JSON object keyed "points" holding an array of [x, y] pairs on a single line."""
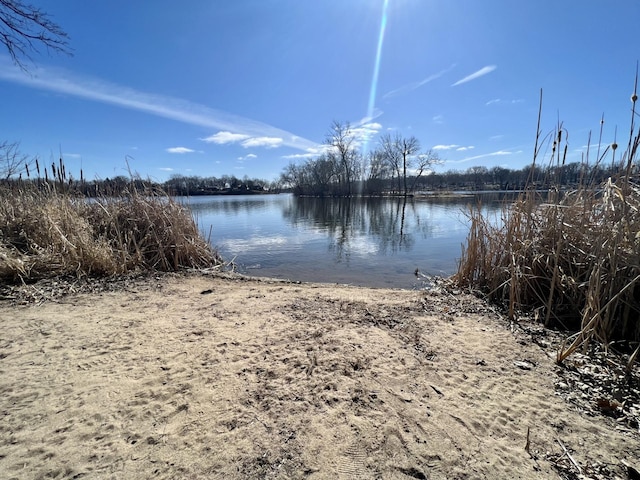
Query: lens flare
{"points": [[376, 67]]}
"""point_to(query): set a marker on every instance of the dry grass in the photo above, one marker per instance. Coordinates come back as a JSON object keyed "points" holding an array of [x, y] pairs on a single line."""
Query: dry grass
{"points": [[572, 258], [46, 231]]}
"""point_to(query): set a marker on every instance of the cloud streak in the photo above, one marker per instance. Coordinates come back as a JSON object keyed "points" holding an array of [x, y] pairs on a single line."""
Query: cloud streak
{"points": [[223, 138], [409, 87], [65, 82], [266, 142], [445, 147], [480, 73], [457, 148], [180, 150], [485, 155], [496, 101]]}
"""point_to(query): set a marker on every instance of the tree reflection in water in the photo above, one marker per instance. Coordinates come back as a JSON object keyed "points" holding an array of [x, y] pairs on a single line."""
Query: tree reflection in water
{"points": [[391, 223]]}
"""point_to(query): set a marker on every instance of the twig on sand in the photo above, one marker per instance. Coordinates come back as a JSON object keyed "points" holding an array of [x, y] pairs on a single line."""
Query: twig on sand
{"points": [[575, 464]]}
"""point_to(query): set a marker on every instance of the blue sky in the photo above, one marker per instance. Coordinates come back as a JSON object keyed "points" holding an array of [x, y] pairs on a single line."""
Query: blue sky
{"points": [[244, 87]]}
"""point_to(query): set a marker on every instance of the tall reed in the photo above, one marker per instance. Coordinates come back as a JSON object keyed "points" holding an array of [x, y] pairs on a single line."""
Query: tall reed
{"points": [[46, 230], [570, 257]]}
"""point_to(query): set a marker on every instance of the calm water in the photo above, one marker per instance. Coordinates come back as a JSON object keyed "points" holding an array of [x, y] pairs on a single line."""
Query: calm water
{"points": [[360, 241]]}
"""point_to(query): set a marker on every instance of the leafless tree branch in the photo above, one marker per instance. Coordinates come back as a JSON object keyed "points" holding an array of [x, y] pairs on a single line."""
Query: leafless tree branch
{"points": [[12, 161], [25, 29]]}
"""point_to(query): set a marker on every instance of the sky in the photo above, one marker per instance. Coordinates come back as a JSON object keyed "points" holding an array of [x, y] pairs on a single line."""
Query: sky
{"points": [[245, 87]]}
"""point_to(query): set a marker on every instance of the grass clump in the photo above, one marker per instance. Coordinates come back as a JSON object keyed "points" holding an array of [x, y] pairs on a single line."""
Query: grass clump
{"points": [[570, 257], [46, 230]]}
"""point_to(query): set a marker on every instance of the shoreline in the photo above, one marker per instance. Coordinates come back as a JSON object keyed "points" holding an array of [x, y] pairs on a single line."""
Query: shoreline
{"points": [[228, 376]]}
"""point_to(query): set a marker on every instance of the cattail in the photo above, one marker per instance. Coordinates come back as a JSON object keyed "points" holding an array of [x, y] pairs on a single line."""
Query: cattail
{"points": [[37, 167], [26, 167], [53, 170]]}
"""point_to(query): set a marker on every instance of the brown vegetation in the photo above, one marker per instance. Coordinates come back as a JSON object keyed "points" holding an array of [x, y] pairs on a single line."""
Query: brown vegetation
{"points": [[572, 258], [46, 230]]}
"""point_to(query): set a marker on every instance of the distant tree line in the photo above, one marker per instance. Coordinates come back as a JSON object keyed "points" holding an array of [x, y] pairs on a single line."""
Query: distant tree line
{"points": [[177, 185], [398, 166], [302, 179], [395, 167], [501, 178], [226, 184]]}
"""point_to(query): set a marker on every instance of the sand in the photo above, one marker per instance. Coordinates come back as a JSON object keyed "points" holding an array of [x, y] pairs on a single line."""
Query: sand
{"points": [[217, 377]]}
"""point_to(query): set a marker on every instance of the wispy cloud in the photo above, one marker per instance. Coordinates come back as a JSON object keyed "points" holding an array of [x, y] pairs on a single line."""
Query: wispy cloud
{"points": [[500, 101], [166, 169], [439, 119], [457, 148], [63, 81], [445, 147], [485, 155], [298, 156], [480, 73], [244, 158], [312, 152], [363, 134], [180, 150], [222, 138], [369, 119], [409, 87], [267, 142], [247, 141]]}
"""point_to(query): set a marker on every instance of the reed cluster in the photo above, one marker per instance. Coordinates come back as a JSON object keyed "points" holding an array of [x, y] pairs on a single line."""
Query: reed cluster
{"points": [[47, 230], [570, 257]]}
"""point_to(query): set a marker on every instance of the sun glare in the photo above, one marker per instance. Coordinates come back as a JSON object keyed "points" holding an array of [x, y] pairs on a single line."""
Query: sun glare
{"points": [[376, 67]]}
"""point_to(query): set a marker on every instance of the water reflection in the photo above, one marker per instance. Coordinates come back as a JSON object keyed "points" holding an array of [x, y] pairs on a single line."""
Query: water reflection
{"points": [[231, 204], [364, 241], [359, 225]]}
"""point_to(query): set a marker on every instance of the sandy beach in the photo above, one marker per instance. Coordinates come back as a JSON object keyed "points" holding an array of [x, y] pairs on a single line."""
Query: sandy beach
{"points": [[223, 377]]}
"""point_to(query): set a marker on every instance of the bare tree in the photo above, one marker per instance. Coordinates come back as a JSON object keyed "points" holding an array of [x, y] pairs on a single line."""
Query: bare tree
{"points": [[423, 162], [400, 152], [24, 29], [322, 172], [12, 161], [378, 170], [295, 177], [343, 151], [391, 155]]}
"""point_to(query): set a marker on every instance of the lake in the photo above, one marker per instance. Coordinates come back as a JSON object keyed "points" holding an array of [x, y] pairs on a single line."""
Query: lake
{"points": [[375, 242]]}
